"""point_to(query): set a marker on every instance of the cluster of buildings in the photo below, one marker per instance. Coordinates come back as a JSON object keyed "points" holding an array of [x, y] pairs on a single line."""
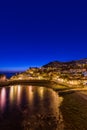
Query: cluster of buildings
{"points": [[55, 74], [70, 73]]}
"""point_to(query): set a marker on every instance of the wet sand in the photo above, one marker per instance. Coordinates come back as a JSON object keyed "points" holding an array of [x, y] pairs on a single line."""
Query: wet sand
{"points": [[74, 110]]}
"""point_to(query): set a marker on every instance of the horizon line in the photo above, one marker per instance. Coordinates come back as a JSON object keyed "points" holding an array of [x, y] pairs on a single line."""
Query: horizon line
{"points": [[21, 69]]}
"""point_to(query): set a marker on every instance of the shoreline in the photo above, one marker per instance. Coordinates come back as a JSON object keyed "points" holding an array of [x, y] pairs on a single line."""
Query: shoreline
{"points": [[48, 83], [73, 106], [30, 82]]}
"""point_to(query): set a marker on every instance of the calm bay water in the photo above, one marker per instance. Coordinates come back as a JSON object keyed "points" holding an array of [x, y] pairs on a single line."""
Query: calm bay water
{"points": [[29, 108]]}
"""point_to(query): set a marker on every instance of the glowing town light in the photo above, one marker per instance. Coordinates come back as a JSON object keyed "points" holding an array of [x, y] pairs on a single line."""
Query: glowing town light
{"points": [[20, 78]]}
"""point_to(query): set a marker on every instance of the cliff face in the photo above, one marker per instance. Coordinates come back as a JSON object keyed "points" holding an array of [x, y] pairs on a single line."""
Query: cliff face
{"points": [[2, 77]]}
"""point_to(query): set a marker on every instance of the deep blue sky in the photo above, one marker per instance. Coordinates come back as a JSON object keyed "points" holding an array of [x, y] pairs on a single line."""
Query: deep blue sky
{"points": [[33, 33]]}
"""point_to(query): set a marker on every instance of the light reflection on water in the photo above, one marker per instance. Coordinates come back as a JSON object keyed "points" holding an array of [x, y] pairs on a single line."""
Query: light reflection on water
{"points": [[3, 98], [26, 102], [30, 95], [11, 94]]}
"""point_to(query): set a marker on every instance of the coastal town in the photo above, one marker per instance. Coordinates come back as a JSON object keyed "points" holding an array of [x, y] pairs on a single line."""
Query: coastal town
{"points": [[71, 73]]}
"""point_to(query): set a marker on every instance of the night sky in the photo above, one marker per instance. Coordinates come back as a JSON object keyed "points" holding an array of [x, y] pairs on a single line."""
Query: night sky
{"points": [[33, 33]]}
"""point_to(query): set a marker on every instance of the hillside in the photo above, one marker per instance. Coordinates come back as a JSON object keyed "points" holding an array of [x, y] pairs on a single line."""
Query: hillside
{"points": [[73, 72], [77, 64]]}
